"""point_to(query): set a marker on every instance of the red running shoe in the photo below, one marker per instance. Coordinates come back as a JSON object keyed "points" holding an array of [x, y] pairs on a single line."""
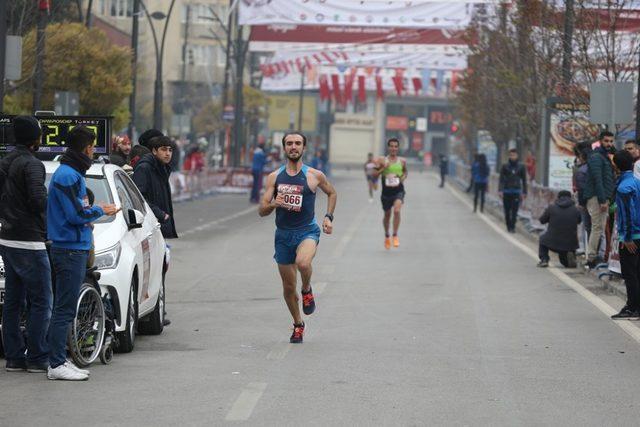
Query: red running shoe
{"points": [[308, 302], [298, 332]]}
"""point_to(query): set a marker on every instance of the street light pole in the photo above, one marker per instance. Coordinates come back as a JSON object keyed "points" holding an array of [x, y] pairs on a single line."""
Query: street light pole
{"points": [[567, 42], [134, 68], [239, 107], [39, 75], [3, 48], [158, 85]]}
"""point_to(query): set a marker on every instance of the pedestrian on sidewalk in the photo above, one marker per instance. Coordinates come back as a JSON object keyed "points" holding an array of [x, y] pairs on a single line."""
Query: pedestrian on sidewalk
{"points": [[628, 210], [512, 189], [480, 176], [598, 190], [561, 236], [580, 176], [257, 168], [23, 207], [632, 147], [444, 169], [69, 217]]}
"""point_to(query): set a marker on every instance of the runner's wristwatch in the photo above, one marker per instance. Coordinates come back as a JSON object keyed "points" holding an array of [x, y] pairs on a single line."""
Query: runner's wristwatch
{"points": [[328, 215]]}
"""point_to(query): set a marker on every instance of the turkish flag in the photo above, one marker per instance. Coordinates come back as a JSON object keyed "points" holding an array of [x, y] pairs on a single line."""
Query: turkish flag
{"points": [[337, 95], [362, 92], [348, 88], [325, 92], [417, 85], [398, 82], [379, 89]]}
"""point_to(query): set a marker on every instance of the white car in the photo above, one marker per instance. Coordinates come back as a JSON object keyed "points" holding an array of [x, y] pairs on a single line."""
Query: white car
{"points": [[131, 254]]}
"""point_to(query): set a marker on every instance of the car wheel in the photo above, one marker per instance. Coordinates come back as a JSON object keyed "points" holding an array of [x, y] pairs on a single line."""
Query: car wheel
{"points": [[127, 338], [153, 324]]}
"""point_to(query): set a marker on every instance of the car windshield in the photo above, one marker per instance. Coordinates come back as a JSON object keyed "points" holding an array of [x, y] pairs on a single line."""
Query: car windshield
{"points": [[100, 188]]}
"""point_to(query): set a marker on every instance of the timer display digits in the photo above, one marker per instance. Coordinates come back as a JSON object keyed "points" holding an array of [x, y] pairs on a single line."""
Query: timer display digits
{"points": [[55, 132]]}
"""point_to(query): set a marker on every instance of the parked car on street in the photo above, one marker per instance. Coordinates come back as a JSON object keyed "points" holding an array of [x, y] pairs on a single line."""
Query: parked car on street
{"points": [[130, 254]]}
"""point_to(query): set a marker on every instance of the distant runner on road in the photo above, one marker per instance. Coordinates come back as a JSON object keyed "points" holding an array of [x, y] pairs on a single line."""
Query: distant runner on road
{"points": [[394, 172], [370, 173], [291, 192]]}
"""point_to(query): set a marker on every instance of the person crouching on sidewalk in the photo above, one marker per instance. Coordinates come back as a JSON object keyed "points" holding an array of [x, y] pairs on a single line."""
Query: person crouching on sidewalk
{"points": [[561, 236], [628, 210]]}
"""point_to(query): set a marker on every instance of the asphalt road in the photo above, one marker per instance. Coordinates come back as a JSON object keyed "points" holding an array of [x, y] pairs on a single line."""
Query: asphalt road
{"points": [[456, 327]]}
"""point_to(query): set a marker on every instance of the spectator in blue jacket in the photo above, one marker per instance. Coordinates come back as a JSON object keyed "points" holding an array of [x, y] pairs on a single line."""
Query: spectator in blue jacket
{"points": [[259, 160], [628, 210], [69, 219], [480, 176]]}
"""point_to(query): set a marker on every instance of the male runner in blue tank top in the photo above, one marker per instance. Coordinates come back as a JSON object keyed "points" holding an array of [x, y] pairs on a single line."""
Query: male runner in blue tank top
{"points": [[291, 192]]}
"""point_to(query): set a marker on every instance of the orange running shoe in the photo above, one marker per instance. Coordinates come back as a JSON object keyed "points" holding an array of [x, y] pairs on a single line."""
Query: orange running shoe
{"points": [[387, 243], [297, 335], [396, 242]]}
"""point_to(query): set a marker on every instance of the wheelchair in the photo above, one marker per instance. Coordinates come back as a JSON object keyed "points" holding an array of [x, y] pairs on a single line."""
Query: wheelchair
{"points": [[92, 332]]}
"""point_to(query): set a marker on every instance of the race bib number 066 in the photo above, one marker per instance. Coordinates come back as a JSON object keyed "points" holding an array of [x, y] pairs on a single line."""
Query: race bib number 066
{"points": [[392, 180], [292, 195]]}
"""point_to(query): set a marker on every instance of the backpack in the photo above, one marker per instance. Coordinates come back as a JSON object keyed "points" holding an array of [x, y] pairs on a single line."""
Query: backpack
{"points": [[582, 175]]}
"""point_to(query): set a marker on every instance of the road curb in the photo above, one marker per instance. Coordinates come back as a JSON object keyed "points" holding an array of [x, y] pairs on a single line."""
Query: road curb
{"points": [[609, 283]]}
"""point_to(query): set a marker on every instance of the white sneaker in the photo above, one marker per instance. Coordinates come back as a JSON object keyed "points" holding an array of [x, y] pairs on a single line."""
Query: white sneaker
{"points": [[65, 372], [75, 368]]}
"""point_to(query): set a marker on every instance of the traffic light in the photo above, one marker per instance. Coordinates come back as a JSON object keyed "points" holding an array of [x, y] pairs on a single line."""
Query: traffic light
{"points": [[455, 127]]}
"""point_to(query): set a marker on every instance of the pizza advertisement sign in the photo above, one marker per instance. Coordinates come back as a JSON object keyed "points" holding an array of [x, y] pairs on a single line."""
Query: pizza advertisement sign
{"points": [[55, 131], [569, 126]]}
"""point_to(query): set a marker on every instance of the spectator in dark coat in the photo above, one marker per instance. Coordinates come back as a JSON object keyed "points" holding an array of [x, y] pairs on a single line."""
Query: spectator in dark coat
{"points": [[561, 236], [512, 189], [23, 206], [444, 169], [151, 175]]}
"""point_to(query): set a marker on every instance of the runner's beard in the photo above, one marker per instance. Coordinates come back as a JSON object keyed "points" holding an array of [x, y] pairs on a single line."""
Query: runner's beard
{"points": [[295, 159]]}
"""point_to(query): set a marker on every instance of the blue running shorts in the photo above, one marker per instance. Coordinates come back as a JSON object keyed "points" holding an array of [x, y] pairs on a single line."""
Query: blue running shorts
{"points": [[287, 242]]}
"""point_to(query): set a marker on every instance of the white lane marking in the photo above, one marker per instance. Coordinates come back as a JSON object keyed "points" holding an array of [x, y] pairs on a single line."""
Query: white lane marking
{"points": [[279, 351], [245, 403], [219, 221], [625, 325], [346, 239]]}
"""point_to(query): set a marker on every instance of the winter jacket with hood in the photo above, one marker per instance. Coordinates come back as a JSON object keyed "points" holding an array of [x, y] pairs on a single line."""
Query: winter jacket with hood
{"points": [[600, 181], [23, 197], [563, 218], [628, 206], [152, 179]]}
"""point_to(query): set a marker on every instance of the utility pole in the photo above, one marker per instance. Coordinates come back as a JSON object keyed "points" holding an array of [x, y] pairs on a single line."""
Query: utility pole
{"points": [[134, 68], [224, 134], [567, 42], [39, 76], [239, 107], [3, 48], [185, 47], [301, 106]]}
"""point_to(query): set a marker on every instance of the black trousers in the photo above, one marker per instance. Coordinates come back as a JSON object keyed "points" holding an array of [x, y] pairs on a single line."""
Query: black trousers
{"points": [[543, 254], [479, 191], [511, 203], [443, 174], [630, 264]]}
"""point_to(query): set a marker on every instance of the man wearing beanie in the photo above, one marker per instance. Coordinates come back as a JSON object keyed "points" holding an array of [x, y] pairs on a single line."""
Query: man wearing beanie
{"points": [[146, 137], [69, 216], [23, 205]]}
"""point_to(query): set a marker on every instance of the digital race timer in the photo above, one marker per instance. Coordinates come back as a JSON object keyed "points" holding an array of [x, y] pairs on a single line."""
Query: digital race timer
{"points": [[55, 130]]}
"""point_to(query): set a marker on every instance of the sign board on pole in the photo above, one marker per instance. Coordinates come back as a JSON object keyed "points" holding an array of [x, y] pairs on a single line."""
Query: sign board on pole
{"points": [[612, 103], [13, 58], [67, 103], [228, 115], [421, 124]]}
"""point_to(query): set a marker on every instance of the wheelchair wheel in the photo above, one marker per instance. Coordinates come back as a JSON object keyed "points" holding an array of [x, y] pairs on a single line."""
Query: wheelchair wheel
{"points": [[86, 335]]}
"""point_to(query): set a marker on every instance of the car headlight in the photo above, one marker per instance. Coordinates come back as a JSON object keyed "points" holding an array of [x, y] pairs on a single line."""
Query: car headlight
{"points": [[108, 258]]}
